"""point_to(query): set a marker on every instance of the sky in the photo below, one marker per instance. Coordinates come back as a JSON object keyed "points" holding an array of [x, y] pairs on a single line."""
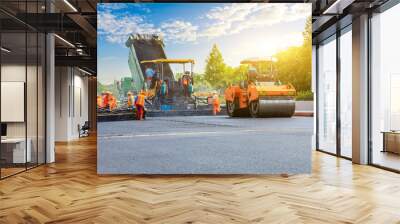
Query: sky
{"points": [[189, 30]]}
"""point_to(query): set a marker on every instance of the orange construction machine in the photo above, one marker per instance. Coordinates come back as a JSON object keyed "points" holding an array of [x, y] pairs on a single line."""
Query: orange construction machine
{"points": [[260, 94]]}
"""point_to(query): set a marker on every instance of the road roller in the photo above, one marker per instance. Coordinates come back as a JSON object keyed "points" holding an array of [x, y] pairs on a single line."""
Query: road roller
{"points": [[259, 93]]}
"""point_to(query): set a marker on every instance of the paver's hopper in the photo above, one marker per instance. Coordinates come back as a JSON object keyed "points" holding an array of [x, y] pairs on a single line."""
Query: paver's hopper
{"points": [[145, 47], [260, 94]]}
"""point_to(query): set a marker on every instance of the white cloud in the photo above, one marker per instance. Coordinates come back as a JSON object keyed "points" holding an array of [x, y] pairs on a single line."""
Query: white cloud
{"points": [[234, 18], [233, 12], [179, 31], [119, 6], [112, 6], [226, 20], [117, 29]]}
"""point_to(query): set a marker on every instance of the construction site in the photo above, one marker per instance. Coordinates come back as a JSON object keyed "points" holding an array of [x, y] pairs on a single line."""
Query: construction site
{"points": [[190, 130], [257, 94], [147, 52]]}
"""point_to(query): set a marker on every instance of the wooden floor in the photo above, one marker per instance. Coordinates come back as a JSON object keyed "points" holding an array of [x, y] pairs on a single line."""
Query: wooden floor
{"points": [[5, 172], [70, 191], [387, 159]]}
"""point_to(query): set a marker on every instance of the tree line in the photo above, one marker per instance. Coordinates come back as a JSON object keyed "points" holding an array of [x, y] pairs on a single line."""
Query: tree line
{"points": [[293, 66]]}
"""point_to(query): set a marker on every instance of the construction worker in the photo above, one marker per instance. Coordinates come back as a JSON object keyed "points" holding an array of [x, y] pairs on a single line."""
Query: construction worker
{"points": [[190, 89], [112, 102], [139, 104], [99, 102], [216, 105], [130, 100], [105, 99], [149, 75], [185, 85], [163, 91], [251, 89], [180, 82]]}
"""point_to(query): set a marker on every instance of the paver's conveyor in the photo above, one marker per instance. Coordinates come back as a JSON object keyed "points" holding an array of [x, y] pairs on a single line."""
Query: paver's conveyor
{"points": [[145, 47]]}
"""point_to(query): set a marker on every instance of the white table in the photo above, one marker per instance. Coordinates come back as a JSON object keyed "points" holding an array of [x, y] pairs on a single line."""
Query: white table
{"points": [[19, 154]]}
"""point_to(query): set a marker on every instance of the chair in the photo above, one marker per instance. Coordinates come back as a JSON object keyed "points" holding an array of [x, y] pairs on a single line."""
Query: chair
{"points": [[84, 130]]}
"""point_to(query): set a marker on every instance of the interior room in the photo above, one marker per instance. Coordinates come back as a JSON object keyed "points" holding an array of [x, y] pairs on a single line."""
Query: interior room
{"points": [[25, 100], [22, 100], [49, 138]]}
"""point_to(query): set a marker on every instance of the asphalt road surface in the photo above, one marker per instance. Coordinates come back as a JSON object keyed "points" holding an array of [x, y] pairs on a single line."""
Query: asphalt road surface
{"points": [[205, 145]]}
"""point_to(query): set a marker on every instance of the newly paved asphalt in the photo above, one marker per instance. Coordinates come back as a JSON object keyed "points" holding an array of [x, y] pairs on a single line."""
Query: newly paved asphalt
{"points": [[205, 145]]}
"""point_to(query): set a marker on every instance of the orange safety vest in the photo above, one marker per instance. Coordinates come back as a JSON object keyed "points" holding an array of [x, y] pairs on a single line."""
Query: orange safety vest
{"points": [[140, 100], [185, 82], [252, 92], [113, 103], [216, 101], [216, 104], [105, 100]]}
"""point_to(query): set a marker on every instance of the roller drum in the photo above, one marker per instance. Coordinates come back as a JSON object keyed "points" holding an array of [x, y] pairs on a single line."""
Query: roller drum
{"points": [[269, 107]]}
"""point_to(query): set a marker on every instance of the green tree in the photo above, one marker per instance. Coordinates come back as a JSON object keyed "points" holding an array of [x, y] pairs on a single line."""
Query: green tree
{"points": [[200, 84], [215, 68], [294, 63], [234, 74], [307, 33]]}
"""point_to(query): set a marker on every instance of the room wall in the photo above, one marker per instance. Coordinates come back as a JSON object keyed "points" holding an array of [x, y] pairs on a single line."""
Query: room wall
{"points": [[71, 102], [62, 82], [80, 109], [14, 73], [34, 124]]}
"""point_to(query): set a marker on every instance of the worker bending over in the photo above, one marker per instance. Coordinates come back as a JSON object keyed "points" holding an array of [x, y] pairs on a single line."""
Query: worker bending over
{"points": [[216, 105], [139, 104]]}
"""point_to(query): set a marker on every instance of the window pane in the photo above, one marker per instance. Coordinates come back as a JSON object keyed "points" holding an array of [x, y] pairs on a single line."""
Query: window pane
{"points": [[13, 85], [31, 97], [346, 93], [327, 96], [41, 99], [386, 89], [22, 88]]}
